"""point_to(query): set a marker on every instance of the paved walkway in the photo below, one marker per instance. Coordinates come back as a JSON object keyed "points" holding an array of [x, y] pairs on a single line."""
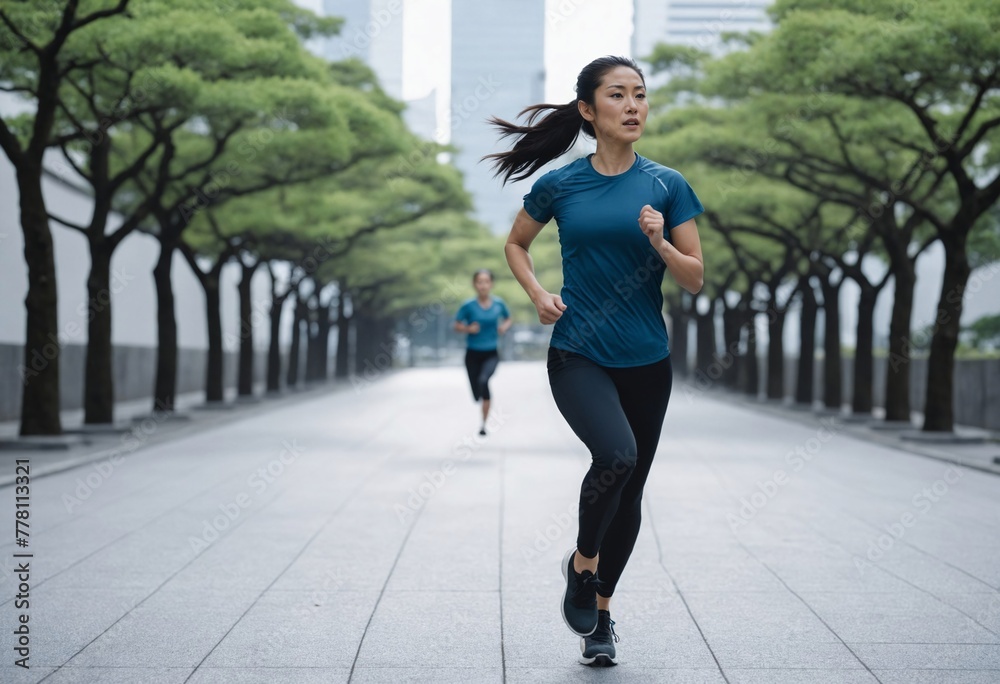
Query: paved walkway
{"points": [[370, 536]]}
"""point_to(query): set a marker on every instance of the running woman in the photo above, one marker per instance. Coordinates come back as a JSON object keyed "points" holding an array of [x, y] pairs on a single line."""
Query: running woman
{"points": [[484, 317], [623, 221]]}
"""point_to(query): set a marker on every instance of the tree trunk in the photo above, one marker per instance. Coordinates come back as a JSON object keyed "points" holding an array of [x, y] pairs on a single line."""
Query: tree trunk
{"points": [[833, 392], [343, 336], [897, 381], [39, 373], [775, 352], [165, 389], [679, 336], [707, 348], [299, 316], [939, 409], [732, 329], [863, 358], [804, 385], [274, 347], [323, 327], [245, 377], [751, 364], [98, 379], [214, 388]]}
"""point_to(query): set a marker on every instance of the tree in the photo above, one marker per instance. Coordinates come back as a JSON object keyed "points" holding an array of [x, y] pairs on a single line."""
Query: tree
{"points": [[937, 62], [33, 38]]}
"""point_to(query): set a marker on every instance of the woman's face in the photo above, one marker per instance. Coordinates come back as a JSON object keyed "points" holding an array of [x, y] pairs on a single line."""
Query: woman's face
{"points": [[620, 108], [483, 284]]}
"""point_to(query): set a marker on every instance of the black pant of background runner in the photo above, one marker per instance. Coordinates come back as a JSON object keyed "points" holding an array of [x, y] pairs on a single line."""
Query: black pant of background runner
{"points": [[481, 365], [617, 413]]}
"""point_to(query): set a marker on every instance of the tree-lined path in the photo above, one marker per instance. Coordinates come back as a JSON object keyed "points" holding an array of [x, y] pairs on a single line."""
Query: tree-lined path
{"points": [[367, 535]]}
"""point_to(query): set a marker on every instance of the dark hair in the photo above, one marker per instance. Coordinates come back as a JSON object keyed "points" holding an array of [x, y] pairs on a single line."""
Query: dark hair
{"points": [[555, 133], [483, 270]]}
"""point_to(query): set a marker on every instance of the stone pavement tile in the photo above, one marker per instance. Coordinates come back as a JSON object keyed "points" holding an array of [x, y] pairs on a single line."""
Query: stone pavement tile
{"points": [[420, 675], [170, 629], [938, 676], [288, 629], [913, 617], [721, 572], [581, 674], [20, 675], [778, 616], [64, 621], [454, 545], [752, 652], [147, 555], [238, 560], [120, 675], [264, 675], [449, 629], [935, 576], [450, 553], [762, 676], [804, 576], [983, 608], [929, 656]]}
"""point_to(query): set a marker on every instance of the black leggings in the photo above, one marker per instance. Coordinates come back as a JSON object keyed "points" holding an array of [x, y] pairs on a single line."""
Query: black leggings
{"points": [[617, 413], [481, 365]]}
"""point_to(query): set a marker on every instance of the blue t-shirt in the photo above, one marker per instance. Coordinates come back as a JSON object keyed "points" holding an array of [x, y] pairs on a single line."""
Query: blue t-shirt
{"points": [[611, 274], [488, 320]]}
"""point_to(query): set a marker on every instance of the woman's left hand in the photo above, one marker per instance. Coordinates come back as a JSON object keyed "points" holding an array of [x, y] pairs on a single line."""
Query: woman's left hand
{"points": [[651, 223]]}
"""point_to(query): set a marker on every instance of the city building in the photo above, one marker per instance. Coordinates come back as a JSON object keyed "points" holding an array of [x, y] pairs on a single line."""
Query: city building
{"points": [[694, 22], [497, 69], [373, 33]]}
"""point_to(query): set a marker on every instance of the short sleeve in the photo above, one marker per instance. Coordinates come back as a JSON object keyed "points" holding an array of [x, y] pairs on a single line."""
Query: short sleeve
{"points": [[504, 311], [682, 204], [462, 314], [539, 201]]}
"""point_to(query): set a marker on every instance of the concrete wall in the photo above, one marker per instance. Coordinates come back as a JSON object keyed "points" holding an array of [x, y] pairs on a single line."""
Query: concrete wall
{"points": [[977, 387], [134, 370]]}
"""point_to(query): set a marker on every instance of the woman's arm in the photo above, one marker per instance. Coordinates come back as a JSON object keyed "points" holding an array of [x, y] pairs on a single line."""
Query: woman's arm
{"points": [[461, 327], [681, 254], [505, 325], [522, 234]]}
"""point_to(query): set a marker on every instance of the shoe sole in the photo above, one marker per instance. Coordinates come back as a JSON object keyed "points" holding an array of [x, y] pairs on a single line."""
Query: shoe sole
{"points": [[562, 604]]}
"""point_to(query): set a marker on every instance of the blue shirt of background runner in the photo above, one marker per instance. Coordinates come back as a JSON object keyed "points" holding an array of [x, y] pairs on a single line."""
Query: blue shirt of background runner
{"points": [[611, 274], [488, 320]]}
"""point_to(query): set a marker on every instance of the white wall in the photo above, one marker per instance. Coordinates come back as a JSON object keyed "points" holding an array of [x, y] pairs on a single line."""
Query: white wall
{"points": [[134, 296]]}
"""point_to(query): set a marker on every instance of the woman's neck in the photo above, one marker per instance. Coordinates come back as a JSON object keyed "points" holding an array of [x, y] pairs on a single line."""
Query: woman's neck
{"points": [[611, 160]]}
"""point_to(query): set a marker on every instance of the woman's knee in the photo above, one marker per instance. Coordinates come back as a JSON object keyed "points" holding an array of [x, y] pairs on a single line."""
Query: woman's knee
{"points": [[619, 459]]}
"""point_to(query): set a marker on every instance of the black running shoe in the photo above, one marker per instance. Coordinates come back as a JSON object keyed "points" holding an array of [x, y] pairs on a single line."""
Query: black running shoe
{"points": [[482, 431], [599, 648], [579, 604]]}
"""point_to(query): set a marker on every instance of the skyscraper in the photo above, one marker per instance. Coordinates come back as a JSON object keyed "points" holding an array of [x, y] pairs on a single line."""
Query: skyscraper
{"points": [[497, 68], [694, 22], [373, 33]]}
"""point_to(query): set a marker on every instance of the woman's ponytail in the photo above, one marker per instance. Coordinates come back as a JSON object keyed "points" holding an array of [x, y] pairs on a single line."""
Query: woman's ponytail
{"points": [[556, 131], [539, 143]]}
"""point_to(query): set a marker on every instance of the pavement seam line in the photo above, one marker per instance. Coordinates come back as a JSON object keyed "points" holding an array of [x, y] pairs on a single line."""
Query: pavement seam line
{"points": [[680, 594], [298, 555], [130, 532], [388, 578], [749, 552], [891, 573], [160, 586]]}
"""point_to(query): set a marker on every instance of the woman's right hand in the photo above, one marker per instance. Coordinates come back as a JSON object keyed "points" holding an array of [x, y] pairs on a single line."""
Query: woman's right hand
{"points": [[472, 328], [550, 307]]}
